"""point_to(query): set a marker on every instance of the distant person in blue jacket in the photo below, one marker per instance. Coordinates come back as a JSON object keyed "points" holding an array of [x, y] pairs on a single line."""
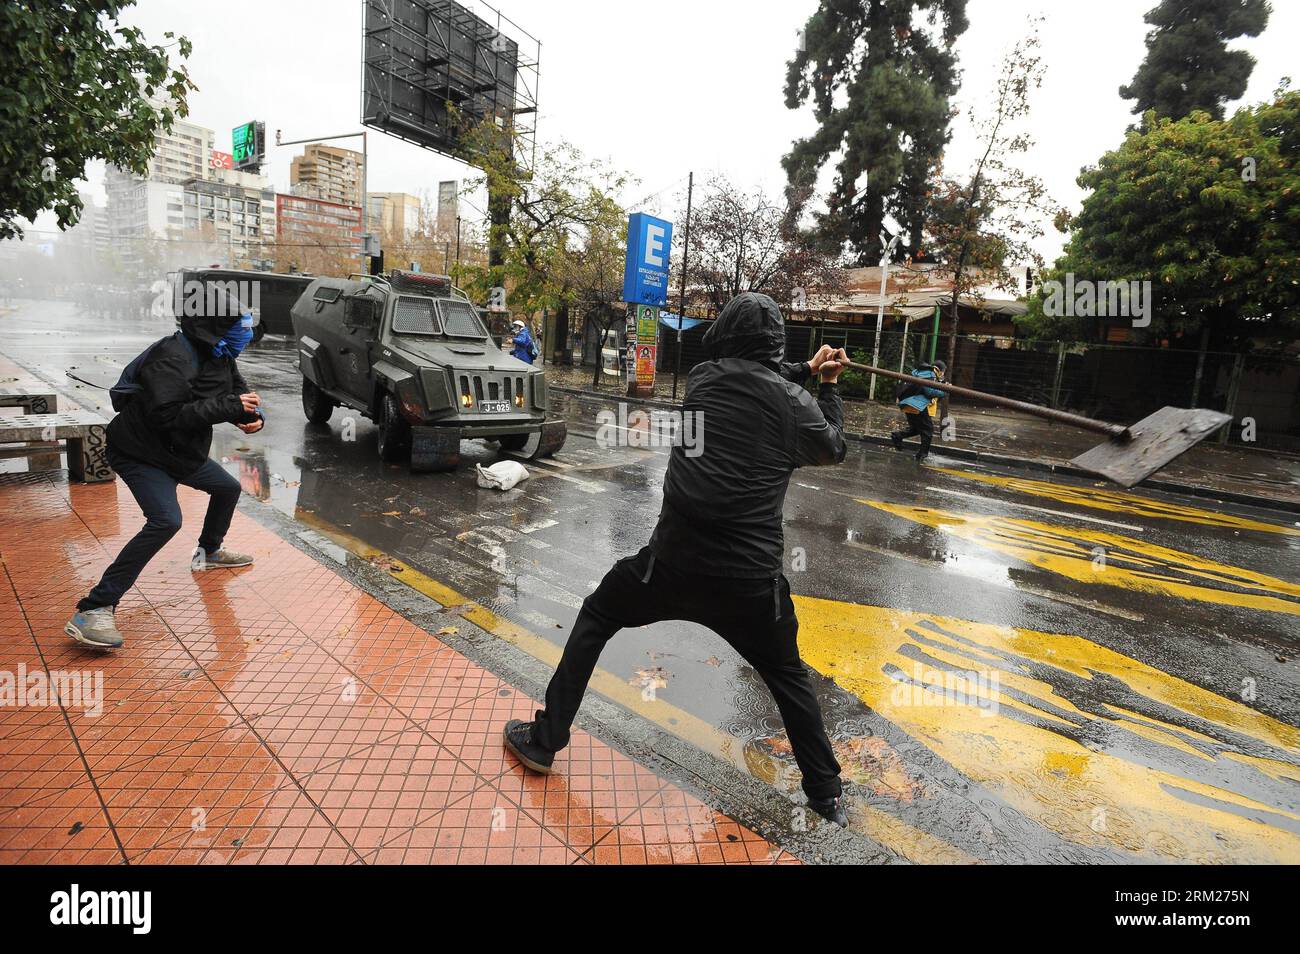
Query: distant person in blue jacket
{"points": [[919, 405], [523, 347]]}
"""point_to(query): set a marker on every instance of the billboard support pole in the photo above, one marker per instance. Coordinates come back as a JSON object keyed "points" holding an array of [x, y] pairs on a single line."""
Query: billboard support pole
{"points": [[681, 304]]}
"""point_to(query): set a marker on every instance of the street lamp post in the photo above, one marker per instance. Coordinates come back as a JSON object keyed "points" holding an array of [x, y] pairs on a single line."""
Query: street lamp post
{"points": [[365, 174], [887, 250]]}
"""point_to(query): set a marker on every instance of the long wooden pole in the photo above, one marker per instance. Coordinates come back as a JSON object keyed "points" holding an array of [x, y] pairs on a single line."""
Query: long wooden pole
{"points": [[1047, 413]]}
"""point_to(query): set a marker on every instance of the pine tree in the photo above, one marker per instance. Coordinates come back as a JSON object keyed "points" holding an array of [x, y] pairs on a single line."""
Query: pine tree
{"points": [[1188, 64], [892, 124]]}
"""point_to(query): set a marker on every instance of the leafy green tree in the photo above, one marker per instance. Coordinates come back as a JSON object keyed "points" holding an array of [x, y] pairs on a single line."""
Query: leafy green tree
{"points": [[563, 227], [1188, 65], [880, 84], [982, 225], [1206, 210], [75, 85]]}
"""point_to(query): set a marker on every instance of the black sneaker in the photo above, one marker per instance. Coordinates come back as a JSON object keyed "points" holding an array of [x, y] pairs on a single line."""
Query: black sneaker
{"points": [[519, 740], [921, 457], [832, 809], [897, 440]]}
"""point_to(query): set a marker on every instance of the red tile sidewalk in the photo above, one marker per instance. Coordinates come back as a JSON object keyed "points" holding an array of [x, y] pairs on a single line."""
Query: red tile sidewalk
{"points": [[279, 714]]}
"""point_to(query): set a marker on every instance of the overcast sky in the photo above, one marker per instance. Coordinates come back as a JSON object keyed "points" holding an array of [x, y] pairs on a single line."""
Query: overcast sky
{"points": [[660, 89]]}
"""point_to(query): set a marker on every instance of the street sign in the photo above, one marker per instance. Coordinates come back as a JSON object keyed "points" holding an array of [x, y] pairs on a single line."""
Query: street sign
{"points": [[645, 270], [645, 364], [647, 324]]}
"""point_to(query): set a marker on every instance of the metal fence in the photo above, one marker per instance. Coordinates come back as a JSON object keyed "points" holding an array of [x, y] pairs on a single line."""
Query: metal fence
{"points": [[1113, 382]]}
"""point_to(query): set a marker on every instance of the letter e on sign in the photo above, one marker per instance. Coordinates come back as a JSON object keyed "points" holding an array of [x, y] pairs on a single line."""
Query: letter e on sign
{"points": [[654, 245]]}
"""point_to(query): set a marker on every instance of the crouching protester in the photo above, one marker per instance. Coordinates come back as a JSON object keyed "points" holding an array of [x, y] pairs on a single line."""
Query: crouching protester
{"points": [[168, 399], [716, 556]]}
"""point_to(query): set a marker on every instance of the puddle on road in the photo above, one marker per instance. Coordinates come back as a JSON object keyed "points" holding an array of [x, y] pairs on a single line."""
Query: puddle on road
{"points": [[1116, 501], [1095, 556]]}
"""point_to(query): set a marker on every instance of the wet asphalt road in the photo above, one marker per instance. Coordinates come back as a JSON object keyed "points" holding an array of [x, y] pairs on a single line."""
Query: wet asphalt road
{"points": [[1013, 669]]}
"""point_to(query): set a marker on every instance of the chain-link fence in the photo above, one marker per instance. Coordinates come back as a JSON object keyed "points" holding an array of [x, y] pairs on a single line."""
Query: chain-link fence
{"points": [[1113, 382]]}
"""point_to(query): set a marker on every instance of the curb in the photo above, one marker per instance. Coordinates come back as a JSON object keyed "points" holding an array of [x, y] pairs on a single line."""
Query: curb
{"points": [[1003, 460], [720, 785]]}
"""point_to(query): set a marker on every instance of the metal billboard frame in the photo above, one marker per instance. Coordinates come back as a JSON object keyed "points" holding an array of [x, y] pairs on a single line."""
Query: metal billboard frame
{"points": [[454, 80]]}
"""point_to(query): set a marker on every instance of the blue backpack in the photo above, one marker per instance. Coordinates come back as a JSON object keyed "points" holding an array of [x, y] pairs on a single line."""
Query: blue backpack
{"points": [[128, 385]]}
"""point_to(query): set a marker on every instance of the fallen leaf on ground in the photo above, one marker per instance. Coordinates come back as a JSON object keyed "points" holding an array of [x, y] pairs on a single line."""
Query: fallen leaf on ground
{"points": [[656, 678], [448, 631]]}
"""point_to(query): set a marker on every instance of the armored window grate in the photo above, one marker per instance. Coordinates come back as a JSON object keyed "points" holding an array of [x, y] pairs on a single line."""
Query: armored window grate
{"points": [[460, 319], [478, 387], [494, 390], [415, 316]]}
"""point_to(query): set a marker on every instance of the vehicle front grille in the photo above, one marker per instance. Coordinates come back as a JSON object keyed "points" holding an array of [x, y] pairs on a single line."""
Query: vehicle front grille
{"points": [[493, 387]]}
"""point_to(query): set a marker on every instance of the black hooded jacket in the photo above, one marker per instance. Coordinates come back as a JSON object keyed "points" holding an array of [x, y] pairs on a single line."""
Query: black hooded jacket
{"points": [[168, 424], [722, 508]]}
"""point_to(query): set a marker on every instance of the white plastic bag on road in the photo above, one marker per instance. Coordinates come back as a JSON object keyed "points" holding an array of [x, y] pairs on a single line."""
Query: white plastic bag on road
{"points": [[502, 475]]}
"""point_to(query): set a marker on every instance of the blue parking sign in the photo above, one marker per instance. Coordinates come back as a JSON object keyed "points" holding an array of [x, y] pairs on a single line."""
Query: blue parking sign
{"points": [[645, 271]]}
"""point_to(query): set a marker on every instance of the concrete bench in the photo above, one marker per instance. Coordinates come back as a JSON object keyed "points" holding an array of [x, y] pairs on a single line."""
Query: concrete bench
{"points": [[81, 431], [32, 397]]}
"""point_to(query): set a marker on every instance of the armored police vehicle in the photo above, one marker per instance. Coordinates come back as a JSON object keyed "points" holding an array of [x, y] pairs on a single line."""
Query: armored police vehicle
{"points": [[410, 352]]}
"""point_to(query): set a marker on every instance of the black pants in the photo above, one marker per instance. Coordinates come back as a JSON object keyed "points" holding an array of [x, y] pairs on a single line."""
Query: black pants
{"points": [[756, 616], [155, 491], [919, 423]]}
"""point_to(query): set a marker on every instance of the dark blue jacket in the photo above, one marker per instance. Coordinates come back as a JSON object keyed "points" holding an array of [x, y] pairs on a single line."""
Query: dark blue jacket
{"points": [[921, 402]]}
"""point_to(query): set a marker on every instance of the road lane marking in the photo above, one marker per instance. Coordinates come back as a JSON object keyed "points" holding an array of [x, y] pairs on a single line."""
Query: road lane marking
{"points": [[1087, 742], [1095, 556], [1054, 513], [1117, 501]]}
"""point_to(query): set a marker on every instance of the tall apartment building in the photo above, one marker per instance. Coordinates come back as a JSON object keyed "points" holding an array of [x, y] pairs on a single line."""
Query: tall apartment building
{"points": [[182, 154], [327, 172], [394, 214], [312, 221], [448, 206], [233, 221], [153, 206]]}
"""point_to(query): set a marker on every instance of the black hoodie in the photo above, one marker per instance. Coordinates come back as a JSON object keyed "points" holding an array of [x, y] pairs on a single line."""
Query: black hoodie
{"points": [[722, 508], [184, 390]]}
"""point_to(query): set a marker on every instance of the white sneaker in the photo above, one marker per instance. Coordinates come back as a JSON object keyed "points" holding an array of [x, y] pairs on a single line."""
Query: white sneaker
{"points": [[95, 627], [218, 559]]}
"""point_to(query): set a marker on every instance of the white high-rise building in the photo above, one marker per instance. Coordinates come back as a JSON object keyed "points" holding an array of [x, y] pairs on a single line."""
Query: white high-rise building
{"points": [[154, 206]]}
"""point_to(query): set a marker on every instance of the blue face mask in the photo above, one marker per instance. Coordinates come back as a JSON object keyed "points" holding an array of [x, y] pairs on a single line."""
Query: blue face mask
{"points": [[236, 339]]}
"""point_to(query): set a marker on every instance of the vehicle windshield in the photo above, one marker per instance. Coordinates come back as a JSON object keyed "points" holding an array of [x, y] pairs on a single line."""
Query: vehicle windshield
{"points": [[415, 316], [460, 319]]}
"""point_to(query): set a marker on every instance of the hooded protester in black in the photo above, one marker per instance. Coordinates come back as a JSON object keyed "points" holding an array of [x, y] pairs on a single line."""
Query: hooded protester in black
{"points": [[185, 388], [716, 555], [722, 508]]}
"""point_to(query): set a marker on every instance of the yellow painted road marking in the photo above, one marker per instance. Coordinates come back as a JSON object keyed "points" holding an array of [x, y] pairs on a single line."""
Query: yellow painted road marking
{"points": [[1005, 716], [1117, 501], [1096, 556], [886, 829]]}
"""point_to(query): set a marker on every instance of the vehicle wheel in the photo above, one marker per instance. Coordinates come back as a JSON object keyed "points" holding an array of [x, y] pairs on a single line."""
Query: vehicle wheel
{"points": [[513, 442], [394, 431], [551, 440], [316, 404], [434, 449]]}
